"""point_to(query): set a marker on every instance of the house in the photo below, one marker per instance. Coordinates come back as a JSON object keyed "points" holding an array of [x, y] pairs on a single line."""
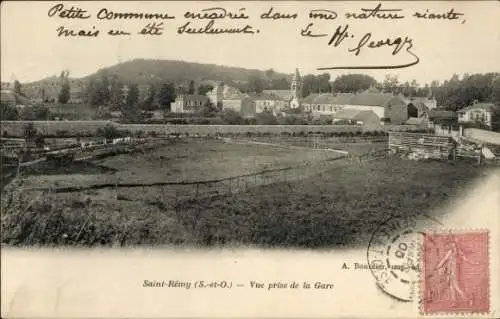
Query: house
{"points": [[247, 108], [323, 104], [307, 102], [243, 105], [418, 106], [368, 119], [478, 113], [384, 105], [269, 102], [443, 121], [191, 103], [228, 97], [439, 116]]}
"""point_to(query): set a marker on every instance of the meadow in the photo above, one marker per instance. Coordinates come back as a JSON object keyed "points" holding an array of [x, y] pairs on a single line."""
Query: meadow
{"points": [[337, 207]]}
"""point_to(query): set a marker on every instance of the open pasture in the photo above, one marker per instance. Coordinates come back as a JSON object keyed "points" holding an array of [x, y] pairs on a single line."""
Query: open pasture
{"points": [[339, 207]]}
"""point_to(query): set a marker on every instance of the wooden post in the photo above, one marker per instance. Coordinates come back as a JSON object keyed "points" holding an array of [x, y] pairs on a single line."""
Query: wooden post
{"points": [[18, 166]]}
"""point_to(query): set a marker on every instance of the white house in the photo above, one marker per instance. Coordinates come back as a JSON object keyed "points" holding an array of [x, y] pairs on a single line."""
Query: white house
{"points": [[478, 113]]}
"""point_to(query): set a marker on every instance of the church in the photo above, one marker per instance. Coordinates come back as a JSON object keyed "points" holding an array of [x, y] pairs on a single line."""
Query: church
{"points": [[292, 96], [228, 97]]}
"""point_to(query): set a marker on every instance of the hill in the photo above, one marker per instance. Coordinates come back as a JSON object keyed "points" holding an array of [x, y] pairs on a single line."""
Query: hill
{"points": [[149, 71], [142, 71]]}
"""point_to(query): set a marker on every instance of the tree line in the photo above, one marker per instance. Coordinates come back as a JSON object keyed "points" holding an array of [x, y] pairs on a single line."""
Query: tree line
{"points": [[132, 101]]}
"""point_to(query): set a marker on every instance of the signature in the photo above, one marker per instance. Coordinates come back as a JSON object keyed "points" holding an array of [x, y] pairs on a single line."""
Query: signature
{"points": [[367, 42]]}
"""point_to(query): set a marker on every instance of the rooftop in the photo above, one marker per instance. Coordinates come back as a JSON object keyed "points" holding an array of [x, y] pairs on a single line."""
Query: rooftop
{"points": [[353, 114], [484, 106]]}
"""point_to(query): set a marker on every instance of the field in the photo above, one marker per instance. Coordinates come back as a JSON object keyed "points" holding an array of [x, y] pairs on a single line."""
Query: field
{"points": [[338, 207]]}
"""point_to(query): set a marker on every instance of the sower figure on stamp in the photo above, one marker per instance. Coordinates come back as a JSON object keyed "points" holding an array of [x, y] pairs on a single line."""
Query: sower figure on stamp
{"points": [[448, 267]]}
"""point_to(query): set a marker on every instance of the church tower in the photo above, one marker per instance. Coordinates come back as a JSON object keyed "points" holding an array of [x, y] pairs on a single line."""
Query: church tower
{"points": [[295, 89], [296, 84]]}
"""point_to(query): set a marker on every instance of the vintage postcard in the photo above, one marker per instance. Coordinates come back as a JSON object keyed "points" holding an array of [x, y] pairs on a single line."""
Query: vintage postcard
{"points": [[244, 159]]}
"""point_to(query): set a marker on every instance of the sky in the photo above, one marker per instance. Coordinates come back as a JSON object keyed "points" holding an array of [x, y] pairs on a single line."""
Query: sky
{"points": [[31, 49]]}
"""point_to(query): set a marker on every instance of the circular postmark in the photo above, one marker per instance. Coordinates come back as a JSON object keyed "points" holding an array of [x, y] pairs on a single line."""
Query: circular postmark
{"points": [[394, 255]]}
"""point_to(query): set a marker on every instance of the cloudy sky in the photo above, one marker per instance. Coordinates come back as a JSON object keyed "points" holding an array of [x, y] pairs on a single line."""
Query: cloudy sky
{"points": [[31, 48]]}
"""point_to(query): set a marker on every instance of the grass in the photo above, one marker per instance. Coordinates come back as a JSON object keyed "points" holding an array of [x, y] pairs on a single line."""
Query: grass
{"points": [[201, 160], [339, 208]]}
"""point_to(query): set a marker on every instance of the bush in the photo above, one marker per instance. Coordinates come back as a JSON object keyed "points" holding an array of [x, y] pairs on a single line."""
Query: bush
{"points": [[62, 133]]}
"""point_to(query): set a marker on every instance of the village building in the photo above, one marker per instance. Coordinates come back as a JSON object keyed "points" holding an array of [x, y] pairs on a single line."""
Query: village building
{"points": [[227, 97], [385, 105], [478, 113], [291, 97], [443, 121], [368, 119], [189, 103], [268, 102]]}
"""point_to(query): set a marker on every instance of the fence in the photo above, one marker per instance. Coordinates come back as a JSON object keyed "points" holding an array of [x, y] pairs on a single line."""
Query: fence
{"points": [[432, 146], [89, 128], [175, 191]]}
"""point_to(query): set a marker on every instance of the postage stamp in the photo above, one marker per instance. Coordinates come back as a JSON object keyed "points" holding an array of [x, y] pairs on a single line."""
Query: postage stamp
{"points": [[394, 255], [455, 273]]}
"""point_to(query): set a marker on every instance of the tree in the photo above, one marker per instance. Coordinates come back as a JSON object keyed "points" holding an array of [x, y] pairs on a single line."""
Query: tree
{"points": [[352, 83], [231, 117], [30, 133], [309, 85], [208, 109], [41, 113], [17, 88], [129, 110], [39, 141], [256, 84], [191, 89], [92, 94], [203, 89], [495, 90], [64, 94], [27, 114], [269, 76], [323, 82], [116, 92], [166, 95], [148, 103], [104, 92], [495, 119], [266, 118], [132, 95], [8, 113], [280, 84], [391, 83], [108, 132]]}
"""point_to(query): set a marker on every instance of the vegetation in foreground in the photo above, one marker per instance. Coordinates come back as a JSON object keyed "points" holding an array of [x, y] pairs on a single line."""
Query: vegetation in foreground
{"points": [[337, 209]]}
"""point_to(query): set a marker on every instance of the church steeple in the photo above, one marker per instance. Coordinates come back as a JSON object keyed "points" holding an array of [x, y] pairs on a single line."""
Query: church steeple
{"points": [[296, 84]]}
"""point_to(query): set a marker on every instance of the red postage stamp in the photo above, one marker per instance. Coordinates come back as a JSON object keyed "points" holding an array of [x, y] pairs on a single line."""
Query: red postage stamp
{"points": [[455, 273]]}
